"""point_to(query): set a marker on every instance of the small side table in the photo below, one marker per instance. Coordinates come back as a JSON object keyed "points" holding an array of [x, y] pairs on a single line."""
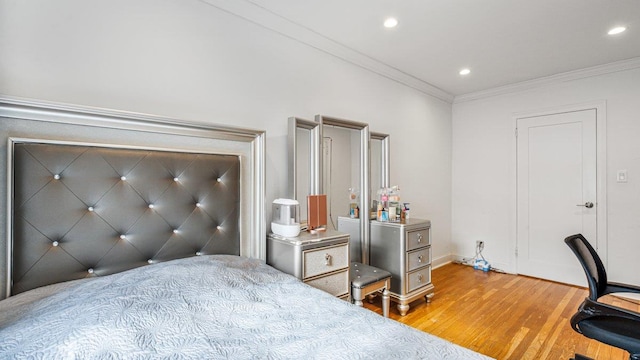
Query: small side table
{"points": [[320, 260], [367, 280]]}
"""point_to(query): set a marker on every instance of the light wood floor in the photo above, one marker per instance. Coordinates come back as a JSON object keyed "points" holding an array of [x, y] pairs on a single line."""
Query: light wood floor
{"points": [[505, 316]]}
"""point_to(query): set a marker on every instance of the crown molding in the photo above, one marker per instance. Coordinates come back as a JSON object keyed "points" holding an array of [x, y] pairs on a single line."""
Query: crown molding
{"points": [[598, 70], [267, 19]]}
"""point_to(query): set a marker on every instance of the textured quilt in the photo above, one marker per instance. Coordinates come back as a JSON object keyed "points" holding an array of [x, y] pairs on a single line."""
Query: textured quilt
{"points": [[206, 307]]}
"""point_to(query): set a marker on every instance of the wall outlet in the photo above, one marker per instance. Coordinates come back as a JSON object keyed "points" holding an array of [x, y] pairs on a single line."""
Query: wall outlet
{"points": [[479, 245], [621, 176]]}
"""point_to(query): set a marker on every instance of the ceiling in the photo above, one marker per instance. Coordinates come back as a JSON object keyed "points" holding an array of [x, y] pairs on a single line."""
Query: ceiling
{"points": [[503, 42]]}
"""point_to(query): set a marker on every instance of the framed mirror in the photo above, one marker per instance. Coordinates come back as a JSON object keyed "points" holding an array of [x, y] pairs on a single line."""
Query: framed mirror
{"points": [[345, 169], [379, 147], [304, 161]]}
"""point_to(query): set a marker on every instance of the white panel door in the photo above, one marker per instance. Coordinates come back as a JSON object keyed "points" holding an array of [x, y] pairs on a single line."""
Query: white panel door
{"points": [[556, 192]]}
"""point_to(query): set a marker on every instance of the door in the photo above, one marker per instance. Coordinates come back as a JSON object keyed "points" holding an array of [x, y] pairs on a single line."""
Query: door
{"points": [[556, 192]]}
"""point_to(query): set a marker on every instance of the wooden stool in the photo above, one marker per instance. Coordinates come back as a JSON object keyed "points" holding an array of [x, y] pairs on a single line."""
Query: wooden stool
{"points": [[366, 280]]}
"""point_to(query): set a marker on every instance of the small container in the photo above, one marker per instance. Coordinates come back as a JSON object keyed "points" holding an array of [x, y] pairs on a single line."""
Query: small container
{"points": [[286, 217]]}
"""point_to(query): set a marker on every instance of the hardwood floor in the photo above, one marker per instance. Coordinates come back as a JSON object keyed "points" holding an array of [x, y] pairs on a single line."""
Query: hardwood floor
{"points": [[505, 316]]}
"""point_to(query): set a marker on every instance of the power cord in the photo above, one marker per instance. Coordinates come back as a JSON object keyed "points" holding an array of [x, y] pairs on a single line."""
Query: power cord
{"points": [[478, 256]]}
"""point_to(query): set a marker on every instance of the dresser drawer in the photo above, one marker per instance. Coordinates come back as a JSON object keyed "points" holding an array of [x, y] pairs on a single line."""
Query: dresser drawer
{"points": [[418, 258], [324, 260], [419, 278], [418, 238], [335, 284]]}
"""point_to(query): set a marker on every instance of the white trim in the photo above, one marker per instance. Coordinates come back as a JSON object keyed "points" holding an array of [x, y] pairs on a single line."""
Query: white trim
{"points": [[601, 174], [267, 19], [442, 261], [613, 67]]}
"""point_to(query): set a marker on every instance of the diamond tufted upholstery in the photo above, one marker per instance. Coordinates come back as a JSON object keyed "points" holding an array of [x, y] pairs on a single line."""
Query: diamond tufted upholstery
{"points": [[89, 211]]}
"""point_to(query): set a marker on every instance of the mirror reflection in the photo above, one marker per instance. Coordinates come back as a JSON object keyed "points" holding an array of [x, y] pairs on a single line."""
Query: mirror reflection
{"points": [[379, 148], [345, 169], [304, 159], [341, 171]]}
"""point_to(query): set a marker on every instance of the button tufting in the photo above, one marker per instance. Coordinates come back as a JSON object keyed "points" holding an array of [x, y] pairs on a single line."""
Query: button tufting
{"points": [[121, 206]]}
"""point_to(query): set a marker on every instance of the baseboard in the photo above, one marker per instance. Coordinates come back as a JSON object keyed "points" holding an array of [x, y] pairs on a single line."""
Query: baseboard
{"points": [[443, 260]]}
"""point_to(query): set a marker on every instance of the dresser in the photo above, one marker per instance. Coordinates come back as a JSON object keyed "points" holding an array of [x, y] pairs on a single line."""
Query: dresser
{"points": [[320, 260], [402, 249]]}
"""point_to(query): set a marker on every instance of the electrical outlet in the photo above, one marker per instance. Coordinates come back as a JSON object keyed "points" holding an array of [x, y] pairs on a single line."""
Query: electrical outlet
{"points": [[479, 243]]}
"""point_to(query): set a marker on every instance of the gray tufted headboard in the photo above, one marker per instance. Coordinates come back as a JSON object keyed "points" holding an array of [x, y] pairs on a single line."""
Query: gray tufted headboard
{"points": [[89, 211], [90, 192]]}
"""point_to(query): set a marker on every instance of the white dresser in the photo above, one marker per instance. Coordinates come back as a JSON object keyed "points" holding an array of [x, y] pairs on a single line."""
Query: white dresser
{"points": [[320, 260]]}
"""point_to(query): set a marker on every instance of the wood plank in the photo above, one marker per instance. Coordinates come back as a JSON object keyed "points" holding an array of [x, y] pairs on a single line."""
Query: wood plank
{"points": [[505, 316]]}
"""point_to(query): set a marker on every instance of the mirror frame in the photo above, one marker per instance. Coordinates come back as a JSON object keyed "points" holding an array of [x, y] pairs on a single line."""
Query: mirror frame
{"points": [[363, 128], [384, 161], [315, 135]]}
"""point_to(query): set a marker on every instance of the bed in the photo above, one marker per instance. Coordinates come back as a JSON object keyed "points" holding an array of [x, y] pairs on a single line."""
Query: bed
{"points": [[132, 236]]}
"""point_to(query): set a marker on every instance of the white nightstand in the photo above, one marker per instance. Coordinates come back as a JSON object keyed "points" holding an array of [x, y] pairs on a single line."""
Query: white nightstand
{"points": [[320, 260]]}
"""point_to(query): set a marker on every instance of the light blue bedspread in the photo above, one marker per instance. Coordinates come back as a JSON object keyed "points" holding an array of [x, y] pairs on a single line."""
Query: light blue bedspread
{"points": [[206, 307]]}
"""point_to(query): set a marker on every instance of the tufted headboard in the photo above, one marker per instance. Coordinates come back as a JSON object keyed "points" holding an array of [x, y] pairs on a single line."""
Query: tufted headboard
{"points": [[83, 210], [91, 192]]}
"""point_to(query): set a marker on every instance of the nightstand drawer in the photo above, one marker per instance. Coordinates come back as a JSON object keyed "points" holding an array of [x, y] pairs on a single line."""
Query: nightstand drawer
{"points": [[418, 279], [335, 284], [418, 258], [324, 260], [418, 238]]}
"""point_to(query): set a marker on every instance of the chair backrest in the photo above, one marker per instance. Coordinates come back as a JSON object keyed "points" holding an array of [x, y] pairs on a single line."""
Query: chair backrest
{"points": [[591, 263]]}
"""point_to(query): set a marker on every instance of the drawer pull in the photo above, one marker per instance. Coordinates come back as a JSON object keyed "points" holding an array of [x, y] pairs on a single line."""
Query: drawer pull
{"points": [[420, 258], [419, 238], [420, 278], [327, 259]]}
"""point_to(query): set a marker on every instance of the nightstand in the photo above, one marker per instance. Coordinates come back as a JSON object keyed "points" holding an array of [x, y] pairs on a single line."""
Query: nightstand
{"points": [[320, 260]]}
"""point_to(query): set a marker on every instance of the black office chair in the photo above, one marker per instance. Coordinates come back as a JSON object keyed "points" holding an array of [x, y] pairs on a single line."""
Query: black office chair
{"points": [[606, 323]]}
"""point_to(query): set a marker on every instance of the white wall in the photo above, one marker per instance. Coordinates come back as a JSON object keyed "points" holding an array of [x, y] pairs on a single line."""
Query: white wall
{"points": [[483, 153], [187, 60]]}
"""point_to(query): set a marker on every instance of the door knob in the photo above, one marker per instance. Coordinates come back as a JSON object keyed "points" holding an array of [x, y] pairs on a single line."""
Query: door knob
{"points": [[588, 205]]}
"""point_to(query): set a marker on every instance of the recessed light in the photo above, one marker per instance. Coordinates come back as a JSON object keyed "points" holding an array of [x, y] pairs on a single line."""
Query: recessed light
{"points": [[391, 22], [465, 72], [617, 30]]}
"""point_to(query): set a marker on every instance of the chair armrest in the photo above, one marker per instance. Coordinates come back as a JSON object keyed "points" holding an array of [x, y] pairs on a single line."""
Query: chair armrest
{"points": [[621, 288]]}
